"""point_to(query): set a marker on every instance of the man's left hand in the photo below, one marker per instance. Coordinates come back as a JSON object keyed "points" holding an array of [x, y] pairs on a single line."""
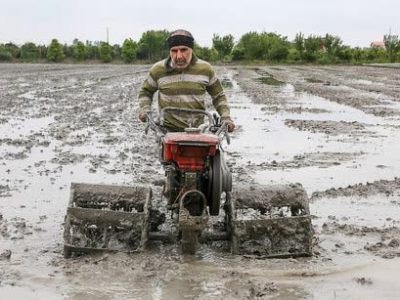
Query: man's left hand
{"points": [[230, 123]]}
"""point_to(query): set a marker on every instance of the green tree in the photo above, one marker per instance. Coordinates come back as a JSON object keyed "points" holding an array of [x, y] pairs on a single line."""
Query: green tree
{"points": [[333, 48], [79, 50], [29, 52], [92, 50], [392, 45], [152, 45], [299, 44], [223, 45], [42, 51], [250, 44], [55, 51], [277, 47], [129, 49], [105, 51], [13, 49], [265, 45], [312, 46]]}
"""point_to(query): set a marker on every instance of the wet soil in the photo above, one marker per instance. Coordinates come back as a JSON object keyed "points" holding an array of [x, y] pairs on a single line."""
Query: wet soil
{"points": [[334, 129]]}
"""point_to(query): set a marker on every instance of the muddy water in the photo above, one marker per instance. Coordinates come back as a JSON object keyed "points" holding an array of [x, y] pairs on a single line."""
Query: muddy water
{"points": [[63, 124], [367, 154]]}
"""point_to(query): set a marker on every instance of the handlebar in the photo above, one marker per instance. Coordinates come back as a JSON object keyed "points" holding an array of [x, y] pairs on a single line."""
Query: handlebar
{"points": [[222, 128], [219, 129]]}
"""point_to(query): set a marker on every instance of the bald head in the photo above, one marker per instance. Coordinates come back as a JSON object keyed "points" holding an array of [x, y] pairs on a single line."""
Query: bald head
{"points": [[181, 32]]}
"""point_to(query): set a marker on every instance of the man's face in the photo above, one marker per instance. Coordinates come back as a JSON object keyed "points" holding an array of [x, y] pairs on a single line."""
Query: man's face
{"points": [[180, 56]]}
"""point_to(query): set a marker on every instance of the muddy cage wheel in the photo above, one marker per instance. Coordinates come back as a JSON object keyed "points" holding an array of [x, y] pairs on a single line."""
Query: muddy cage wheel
{"points": [[189, 241]]}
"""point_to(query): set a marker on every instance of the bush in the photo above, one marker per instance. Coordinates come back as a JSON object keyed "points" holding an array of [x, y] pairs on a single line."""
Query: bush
{"points": [[4, 54], [206, 53], [223, 45], [278, 51], [312, 46], [13, 49], [374, 54], [326, 59], [29, 52], [294, 55], [345, 54], [237, 53]]}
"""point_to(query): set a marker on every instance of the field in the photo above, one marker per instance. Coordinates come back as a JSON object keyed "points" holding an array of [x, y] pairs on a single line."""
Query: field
{"points": [[334, 129]]}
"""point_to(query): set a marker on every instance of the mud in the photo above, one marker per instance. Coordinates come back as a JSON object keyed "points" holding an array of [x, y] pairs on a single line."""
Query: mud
{"points": [[353, 129], [384, 187], [264, 197], [333, 129]]}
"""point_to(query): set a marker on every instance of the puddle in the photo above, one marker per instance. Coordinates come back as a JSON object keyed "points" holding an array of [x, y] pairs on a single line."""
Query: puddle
{"points": [[372, 211], [18, 127]]}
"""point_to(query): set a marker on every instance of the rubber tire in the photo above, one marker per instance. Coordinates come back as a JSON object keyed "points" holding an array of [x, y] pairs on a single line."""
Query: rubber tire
{"points": [[216, 187]]}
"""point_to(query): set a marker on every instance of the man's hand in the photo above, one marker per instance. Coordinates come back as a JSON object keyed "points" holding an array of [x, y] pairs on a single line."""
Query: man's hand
{"points": [[143, 116], [230, 123]]}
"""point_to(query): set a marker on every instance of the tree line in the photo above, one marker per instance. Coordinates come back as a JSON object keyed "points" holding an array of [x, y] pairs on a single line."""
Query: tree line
{"points": [[252, 46]]}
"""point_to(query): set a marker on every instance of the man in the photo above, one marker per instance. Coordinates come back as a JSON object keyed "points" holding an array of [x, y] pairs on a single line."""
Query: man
{"points": [[181, 81]]}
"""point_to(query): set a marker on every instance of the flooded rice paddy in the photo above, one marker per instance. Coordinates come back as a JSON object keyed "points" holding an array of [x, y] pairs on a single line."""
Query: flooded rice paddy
{"points": [[335, 130]]}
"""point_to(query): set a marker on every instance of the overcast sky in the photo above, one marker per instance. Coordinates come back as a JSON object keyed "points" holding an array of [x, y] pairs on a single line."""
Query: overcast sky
{"points": [[357, 22]]}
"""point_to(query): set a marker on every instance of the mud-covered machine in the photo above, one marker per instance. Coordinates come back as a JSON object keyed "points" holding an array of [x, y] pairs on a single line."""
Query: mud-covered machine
{"points": [[272, 221]]}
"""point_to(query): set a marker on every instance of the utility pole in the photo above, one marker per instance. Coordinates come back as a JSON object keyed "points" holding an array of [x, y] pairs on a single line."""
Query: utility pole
{"points": [[107, 36]]}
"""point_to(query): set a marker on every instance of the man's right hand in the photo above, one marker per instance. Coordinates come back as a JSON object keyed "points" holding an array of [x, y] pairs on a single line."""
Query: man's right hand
{"points": [[143, 116]]}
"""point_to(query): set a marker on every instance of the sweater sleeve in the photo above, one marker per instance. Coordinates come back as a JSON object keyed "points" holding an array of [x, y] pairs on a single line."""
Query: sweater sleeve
{"points": [[149, 87], [218, 96]]}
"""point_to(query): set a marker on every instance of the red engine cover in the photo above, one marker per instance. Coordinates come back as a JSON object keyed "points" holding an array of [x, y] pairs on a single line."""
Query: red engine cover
{"points": [[189, 150]]}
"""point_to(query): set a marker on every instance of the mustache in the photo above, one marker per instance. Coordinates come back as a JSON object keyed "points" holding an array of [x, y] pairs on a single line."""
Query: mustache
{"points": [[180, 60]]}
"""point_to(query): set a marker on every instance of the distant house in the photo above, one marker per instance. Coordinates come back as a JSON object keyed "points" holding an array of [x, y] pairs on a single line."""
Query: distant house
{"points": [[379, 44]]}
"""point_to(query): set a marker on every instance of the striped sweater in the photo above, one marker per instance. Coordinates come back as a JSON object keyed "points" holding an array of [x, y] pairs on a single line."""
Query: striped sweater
{"points": [[183, 89]]}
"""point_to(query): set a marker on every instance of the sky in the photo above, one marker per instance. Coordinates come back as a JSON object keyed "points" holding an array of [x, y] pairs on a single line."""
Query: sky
{"points": [[356, 22]]}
